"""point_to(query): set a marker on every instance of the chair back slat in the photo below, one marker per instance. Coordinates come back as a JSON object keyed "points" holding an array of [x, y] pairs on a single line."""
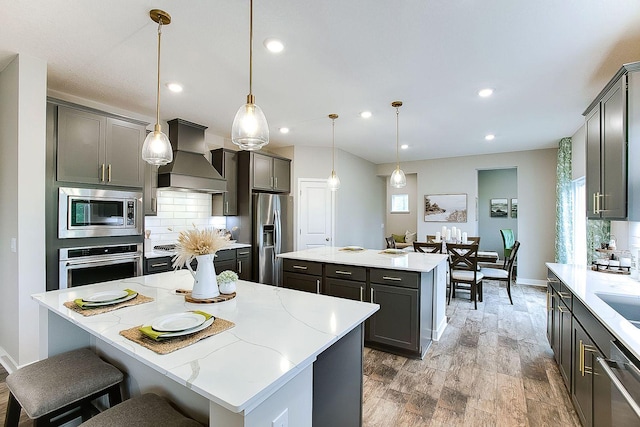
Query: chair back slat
{"points": [[463, 256], [428, 247]]}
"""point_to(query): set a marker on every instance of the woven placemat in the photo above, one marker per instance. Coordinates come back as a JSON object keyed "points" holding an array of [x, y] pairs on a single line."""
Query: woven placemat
{"points": [[169, 345], [139, 299], [219, 298]]}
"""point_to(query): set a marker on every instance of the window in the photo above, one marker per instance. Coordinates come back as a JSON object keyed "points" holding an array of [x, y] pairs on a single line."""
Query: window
{"points": [[399, 203], [579, 222]]}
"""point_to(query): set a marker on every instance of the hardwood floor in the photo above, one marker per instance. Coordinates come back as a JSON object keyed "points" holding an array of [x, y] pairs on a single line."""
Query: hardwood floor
{"points": [[492, 367]]}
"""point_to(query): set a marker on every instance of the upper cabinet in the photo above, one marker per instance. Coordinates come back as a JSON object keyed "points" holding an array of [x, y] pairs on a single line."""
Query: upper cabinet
{"points": [[612, 138], [94, 148], [267, 173], [226, 163]]}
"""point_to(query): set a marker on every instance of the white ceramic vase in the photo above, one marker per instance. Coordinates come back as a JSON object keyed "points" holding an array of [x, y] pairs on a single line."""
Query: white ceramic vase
{"points": [[227, 287], [205, 283]]}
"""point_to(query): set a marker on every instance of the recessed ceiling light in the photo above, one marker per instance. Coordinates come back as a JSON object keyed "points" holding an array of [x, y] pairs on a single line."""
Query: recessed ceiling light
{"points": [[274, 45], [485, 93], [490, 137], [174, 87], [365, 114], [404, 146], [284, 130]]}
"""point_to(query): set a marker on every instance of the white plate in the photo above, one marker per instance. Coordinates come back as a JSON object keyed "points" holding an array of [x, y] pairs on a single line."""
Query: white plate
{"points": [[353, 248], [394, 251], [177, 322], [115, 301], [189, 331], [106, 296]]}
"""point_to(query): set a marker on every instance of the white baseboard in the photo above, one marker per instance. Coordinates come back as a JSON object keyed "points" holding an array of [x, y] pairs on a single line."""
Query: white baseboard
{"points": [[7, 361], [532, 282]]}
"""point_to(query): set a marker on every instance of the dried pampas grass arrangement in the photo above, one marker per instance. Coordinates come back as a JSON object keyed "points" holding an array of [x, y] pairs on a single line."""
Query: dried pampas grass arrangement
{"points": [[194, 242]]}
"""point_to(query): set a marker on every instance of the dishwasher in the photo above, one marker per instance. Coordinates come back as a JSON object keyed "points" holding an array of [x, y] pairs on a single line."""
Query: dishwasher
{"points": [[624, 374]]}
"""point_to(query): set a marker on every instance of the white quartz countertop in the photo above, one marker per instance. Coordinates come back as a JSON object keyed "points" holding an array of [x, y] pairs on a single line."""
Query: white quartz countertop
{"points": [[151, 253], [278, 332], [410, 261], [585, 283]]}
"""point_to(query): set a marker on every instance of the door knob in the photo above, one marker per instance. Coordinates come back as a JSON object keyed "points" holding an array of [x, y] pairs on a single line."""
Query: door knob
{"points": [[327, 239]]}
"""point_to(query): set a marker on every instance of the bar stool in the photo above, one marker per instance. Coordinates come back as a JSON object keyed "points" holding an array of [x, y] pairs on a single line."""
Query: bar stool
{"points": [[148, 410], [59, 384]]}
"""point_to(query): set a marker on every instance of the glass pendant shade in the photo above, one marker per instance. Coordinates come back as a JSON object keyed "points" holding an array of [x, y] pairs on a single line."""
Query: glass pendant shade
{"points": [[250, 130], [398, 180], [157, 149], [333, 182]]}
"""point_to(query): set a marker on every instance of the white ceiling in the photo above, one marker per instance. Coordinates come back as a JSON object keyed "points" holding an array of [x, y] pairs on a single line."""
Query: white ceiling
{"points": [[546, 60]]}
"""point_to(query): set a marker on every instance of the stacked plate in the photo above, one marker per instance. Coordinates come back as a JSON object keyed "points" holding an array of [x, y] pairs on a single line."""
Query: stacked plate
{"points": [[179, 324], [108, 297]]}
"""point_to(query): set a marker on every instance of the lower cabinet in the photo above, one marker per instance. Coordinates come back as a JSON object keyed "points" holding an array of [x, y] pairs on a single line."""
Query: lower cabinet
{"points": [[157, 265], [345, 281], [225, 260], [302, 275], [582, 374], [237, 260], [243, 260]]}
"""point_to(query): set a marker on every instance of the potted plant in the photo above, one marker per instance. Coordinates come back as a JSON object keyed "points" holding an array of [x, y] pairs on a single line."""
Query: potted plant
{"points": [[227, 282]]}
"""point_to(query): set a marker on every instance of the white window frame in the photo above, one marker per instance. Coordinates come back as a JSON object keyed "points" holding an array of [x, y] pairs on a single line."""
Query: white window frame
{"points": [[405, 202]]}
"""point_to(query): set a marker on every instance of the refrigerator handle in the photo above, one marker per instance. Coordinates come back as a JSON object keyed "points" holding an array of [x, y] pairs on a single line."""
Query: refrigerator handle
{"points": [[278, 231]]}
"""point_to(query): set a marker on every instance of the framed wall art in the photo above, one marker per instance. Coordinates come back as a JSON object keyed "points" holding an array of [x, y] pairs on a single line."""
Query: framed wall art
{"points": [[499, 208], [514, 208], [445, 208]]}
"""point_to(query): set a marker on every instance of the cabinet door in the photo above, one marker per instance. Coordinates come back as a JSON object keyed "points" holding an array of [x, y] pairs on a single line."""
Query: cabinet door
{"points": [[593, 164], [614, 152], [231, 175], [565, 350], [344, 289], [601, 395], [243, 258], [228, 264], [281, 175], [550, 315], [81, 137], [262, 172], [396, 323], [150, 189], [582, 390], [123, 153], [302, 282]]}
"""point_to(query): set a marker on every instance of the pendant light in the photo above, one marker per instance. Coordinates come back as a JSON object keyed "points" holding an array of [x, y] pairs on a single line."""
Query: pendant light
{"points": [[398, 180], [250, 130], [156, 149], [333, 182]]}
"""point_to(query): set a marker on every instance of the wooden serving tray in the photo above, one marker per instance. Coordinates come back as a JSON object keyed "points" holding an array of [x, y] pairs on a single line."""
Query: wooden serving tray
{"points": [[219, 298]]}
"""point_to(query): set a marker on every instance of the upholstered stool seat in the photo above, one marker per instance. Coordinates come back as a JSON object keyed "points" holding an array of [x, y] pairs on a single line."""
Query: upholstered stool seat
{"points": [[61, 383], [148, 410]]}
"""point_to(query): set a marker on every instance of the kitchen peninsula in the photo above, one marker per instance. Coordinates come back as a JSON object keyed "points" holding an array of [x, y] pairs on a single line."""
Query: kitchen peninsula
{"points": [[410, 288], [289, 355]]}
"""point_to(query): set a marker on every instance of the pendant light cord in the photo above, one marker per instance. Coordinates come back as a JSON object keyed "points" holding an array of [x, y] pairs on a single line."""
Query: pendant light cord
{"points": [[397, 143], [333, 145], [158, 88], [251, 50]]}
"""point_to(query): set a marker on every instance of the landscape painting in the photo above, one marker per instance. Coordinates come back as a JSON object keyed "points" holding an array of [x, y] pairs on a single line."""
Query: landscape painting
{"points": [[499, 208], [445, 208], [514, 208]]}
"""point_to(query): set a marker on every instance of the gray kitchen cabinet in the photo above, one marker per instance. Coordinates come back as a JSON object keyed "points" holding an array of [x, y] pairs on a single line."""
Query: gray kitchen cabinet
{"points": [[225, 260], [397, 323], [345, 281], [150, 201], [582, 375], [157, 265], [226, 163], [266, 172], [243, 261], [561, 301], [94, 148], [302, 275]]}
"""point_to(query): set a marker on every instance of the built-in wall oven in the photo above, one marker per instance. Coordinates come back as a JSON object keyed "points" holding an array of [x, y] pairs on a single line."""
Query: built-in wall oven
{"points": [[93, 264], [624, 375], [91, 212]]}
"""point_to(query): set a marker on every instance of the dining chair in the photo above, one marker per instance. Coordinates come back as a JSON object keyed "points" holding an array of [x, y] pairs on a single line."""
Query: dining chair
{"points": [[475, 240], [431, 238], [463, 268], [427, 247], [508, 239], [504, 274], [391, 243]]}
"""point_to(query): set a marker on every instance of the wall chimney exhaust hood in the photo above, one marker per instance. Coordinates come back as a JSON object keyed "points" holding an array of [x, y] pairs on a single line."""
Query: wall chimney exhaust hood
{"points": [[190, 170]]}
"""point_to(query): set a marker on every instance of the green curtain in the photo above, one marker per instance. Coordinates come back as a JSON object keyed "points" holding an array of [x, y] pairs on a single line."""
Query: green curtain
{"points": [[564, 203], [598, 231]]}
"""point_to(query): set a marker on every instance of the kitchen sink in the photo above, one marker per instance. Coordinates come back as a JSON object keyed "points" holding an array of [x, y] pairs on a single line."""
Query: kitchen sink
{"points": [[627, 306]]}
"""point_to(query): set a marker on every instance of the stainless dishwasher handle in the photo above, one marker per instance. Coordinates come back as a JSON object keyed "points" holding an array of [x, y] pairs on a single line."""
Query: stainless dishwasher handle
{"points": [[604, 363], [394, 279]]}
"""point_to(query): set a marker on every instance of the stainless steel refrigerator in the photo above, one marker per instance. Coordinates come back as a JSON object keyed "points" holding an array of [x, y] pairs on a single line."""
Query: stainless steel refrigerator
{"points": [[272, 234]]}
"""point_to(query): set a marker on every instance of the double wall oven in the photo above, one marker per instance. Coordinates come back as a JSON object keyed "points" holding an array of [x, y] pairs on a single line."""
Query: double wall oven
{"points": [[99, 235]]}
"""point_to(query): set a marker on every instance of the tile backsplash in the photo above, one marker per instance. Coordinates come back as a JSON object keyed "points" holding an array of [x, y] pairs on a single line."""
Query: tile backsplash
{"points": [[180, 210]]}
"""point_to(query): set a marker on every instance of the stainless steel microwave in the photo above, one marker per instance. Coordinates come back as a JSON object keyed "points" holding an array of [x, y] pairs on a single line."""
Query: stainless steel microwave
{"points": [[89, 212]]}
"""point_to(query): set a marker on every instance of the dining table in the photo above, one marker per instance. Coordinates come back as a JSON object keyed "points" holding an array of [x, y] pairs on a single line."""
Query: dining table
{"points": [[483, 256]]}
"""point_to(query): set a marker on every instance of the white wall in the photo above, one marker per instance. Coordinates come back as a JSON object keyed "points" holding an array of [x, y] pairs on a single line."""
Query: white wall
{"points": [[360, 203], [579, 153], [496, 184], [22, 193], [399, 223], [536, 198]]}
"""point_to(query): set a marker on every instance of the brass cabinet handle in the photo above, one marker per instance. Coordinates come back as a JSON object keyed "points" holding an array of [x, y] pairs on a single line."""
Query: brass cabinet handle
{"points": [[361, 293], [595, 203], [162, 264], [371, 294], [564, 295], [239, 267], [243, 253], [271, 181], [300, 267], [581, 358], [102, 173], [318, 286], [346, 273], [276, 184], [563, 310], [109, 172], [394, 279]]}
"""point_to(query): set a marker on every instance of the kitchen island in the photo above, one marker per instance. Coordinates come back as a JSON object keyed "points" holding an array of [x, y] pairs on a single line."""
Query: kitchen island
{"points": [[286, 353], [410, 288]]}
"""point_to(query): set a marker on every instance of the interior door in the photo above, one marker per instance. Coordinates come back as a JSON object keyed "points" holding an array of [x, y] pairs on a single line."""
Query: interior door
{"points": [[315, 214]]}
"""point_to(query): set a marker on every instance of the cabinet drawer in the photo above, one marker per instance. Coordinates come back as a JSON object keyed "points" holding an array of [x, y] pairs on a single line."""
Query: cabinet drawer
{"points": [[157, 265], [407, 279], [302, 282], [225, 255], [347, 272], [564, 293], [598, 333], [243, 253], [345, 289], [305, 267]]}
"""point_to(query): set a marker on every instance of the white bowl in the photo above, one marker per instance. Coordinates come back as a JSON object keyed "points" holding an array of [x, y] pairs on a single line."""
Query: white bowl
{"points": [[227, 288]]}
